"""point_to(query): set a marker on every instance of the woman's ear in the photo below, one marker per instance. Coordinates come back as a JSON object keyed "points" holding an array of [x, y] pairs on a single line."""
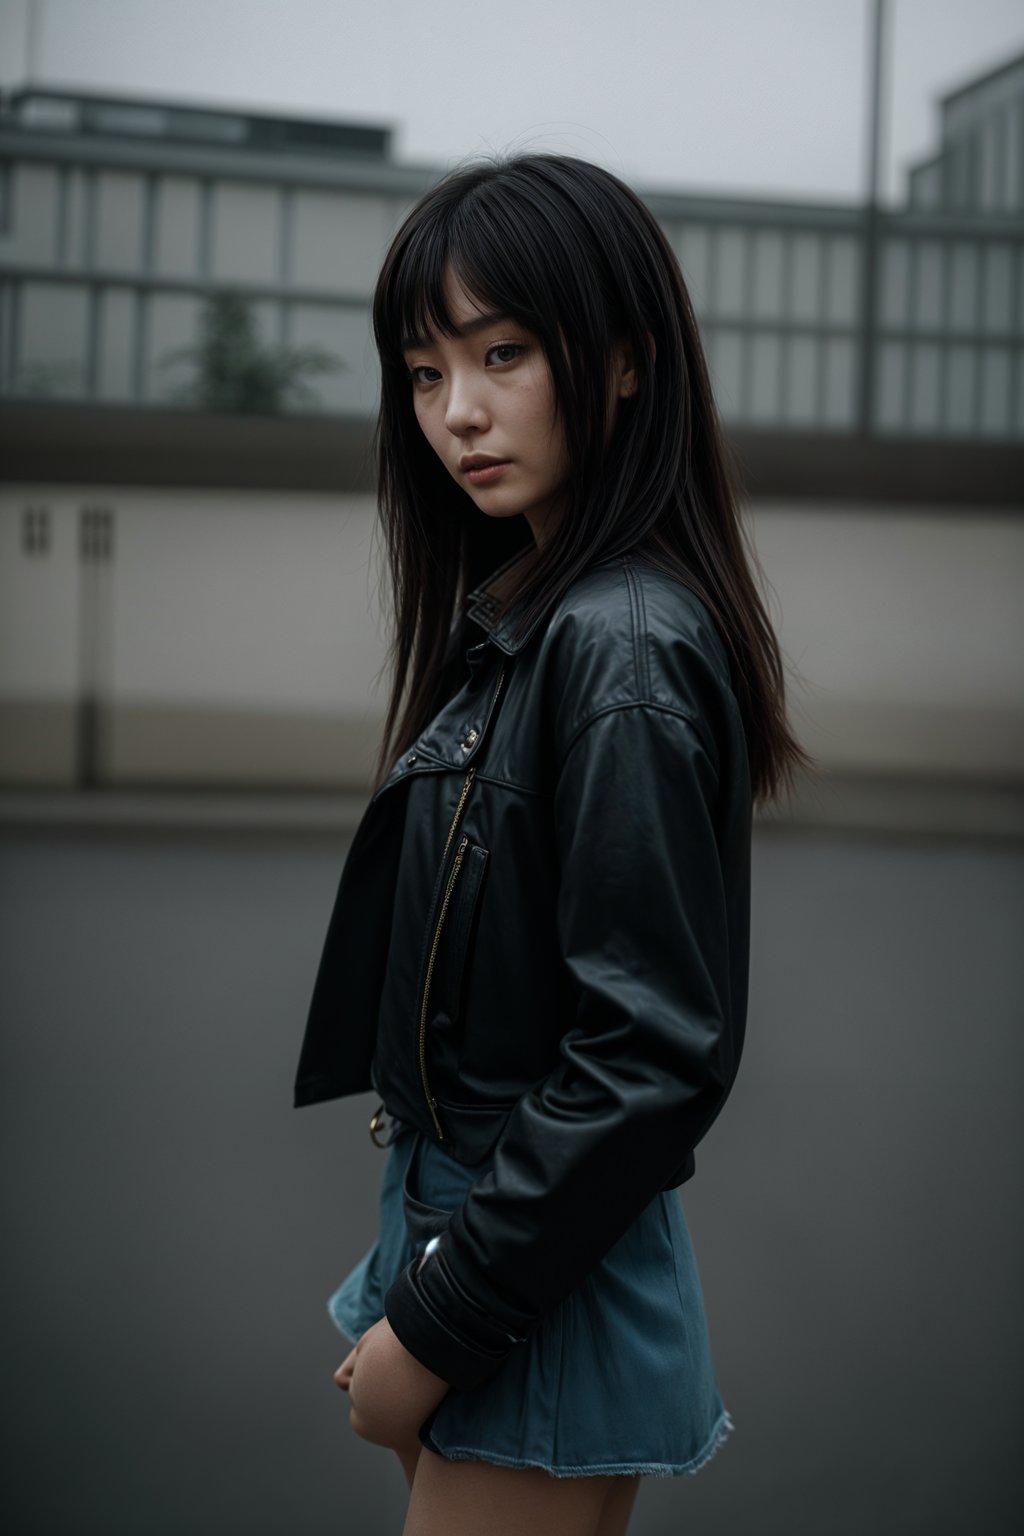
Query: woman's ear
{"points": [[627, 381]]}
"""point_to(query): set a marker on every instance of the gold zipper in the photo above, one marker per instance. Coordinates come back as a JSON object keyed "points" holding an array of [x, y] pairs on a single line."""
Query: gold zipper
{"points": [[460, 854], [467, 784]]}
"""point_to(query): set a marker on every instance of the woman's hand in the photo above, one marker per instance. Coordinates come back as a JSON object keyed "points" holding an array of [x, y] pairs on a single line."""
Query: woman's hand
{"points": [[390, 1391]]}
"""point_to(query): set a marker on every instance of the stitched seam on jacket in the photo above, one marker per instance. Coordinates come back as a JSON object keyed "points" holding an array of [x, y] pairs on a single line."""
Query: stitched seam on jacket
{"points": [[492, 778], [660, 709], [634, 624], [640, 656]]}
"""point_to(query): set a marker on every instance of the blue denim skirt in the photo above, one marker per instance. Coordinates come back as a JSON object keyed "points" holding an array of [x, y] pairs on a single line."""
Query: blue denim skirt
{"points": [[618, 1378]]}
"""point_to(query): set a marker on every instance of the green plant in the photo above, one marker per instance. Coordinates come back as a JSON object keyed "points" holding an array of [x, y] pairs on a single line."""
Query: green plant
{"points": [[236, 372]]}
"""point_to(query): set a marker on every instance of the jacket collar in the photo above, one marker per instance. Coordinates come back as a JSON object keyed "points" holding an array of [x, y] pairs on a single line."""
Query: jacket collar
{"points": [[482, 607]]}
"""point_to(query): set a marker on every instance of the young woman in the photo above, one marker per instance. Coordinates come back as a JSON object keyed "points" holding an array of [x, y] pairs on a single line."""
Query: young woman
{"points": [[538, 952]]}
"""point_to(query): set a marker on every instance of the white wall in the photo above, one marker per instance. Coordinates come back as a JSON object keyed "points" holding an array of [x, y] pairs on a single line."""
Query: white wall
{"points": [[903, 631], [251, 599]]}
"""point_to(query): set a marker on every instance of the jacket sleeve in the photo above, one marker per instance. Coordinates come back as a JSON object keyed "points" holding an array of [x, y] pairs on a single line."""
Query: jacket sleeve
{"points": [[643, 1068]]}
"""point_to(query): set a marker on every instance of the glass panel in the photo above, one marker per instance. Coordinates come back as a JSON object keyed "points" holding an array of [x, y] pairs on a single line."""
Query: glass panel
{"points": [[1015, 156], [245, 232], [927, 279], [840, 378], [725, 357], [894, 295], [176, 237], [890, 384], [345, 334], [924, 387], [40, 112], [139, 122], [692, 244], [802, 402], [172, 322], [805, 253], [116, 345], [765, 399], [338, 240], [961, 363], [79, 191], [33, 236], [730, 248], [766, 253], [996, 288], [842, 299], [53, 337], [995, 391], [118, 226], [963, 306]]}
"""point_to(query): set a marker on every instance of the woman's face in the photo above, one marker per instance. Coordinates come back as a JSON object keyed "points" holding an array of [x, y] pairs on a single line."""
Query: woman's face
{"points": [[488, 393]]}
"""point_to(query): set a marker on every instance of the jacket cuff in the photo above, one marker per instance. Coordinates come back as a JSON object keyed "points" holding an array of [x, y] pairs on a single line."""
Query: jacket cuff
{"points": [[446, 1331]]}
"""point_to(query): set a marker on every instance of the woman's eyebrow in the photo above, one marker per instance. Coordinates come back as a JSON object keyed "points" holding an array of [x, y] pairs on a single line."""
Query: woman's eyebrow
{"points": [[470, 328]]}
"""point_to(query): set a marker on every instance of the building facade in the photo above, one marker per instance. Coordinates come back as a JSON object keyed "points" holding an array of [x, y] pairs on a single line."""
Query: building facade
{"points": [[191, 588]]}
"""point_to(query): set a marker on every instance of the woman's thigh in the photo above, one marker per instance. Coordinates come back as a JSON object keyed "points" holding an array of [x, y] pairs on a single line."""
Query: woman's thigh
{"points": [[469, 1498]]}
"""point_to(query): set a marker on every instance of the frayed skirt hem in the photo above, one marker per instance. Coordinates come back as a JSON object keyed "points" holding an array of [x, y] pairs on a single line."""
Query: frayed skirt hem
{"points": [[723, 1427]]}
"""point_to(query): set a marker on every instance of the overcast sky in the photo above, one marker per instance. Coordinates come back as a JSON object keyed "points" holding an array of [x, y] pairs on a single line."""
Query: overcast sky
{"points": [[757, 97]]}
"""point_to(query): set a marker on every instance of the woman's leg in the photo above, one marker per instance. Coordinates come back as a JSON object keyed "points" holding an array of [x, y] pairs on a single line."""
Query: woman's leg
{"points": [[409, 1457], [618, 1506], [465, 1498]]}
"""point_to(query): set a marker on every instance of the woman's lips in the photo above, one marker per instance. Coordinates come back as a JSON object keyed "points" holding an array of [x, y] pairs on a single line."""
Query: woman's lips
{"points": [[487, 472]]}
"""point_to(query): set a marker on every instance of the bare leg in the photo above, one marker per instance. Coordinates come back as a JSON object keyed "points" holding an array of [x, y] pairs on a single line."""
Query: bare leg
{"points": [[618, 1506], [409, 1457], [481, 1498]]}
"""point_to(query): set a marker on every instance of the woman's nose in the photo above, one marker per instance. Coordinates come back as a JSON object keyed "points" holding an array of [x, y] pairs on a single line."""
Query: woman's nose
{"points": [[465, 409]]}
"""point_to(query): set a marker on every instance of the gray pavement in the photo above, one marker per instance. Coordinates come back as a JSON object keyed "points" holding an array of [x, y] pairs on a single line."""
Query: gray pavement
{"points": [[172, 1227]]}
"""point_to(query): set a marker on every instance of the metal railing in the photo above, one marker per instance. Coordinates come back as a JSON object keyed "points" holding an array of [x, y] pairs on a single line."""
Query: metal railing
{"points": [[814, 318]]}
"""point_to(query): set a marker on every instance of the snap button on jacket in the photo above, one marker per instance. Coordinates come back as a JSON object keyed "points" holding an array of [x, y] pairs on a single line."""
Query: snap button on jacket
{"points": [[539, 945]]}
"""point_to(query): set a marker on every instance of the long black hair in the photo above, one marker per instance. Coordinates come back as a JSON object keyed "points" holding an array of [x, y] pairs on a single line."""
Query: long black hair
{"points": [[575, 255]]}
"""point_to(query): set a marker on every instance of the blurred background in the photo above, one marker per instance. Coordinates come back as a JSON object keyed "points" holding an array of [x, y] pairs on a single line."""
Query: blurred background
{"points": [[194, 200]]}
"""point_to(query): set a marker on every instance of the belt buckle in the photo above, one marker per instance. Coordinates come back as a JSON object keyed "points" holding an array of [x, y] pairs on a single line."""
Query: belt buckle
{"points": [[375, 1125]]}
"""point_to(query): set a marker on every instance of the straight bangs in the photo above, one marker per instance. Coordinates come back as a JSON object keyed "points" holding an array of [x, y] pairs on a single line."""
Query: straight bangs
{"points": [[517, 254]]}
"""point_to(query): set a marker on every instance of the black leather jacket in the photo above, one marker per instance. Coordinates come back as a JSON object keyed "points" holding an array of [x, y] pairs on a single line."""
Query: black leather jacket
{"points": [[539, 945]]}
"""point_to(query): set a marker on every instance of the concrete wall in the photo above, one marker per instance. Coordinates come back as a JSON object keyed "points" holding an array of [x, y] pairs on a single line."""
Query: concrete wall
{"points": [[236, 638]]}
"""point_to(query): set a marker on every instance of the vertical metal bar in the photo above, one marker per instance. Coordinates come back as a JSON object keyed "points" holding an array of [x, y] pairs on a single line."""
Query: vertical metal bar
{"points": [[205, 228], [913, 288], [870, 227], [786, 326], [144, 291], [821, 327], [95, 306], [61, 252], [140, 340], [1016, 328], [746, 320], [285, 256], [150, 194], [944, 242], [89, 219], [979, 289]]}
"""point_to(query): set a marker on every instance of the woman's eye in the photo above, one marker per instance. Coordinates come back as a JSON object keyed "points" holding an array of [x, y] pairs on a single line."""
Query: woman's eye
{"points": [[506, 346], [414, 373]]}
